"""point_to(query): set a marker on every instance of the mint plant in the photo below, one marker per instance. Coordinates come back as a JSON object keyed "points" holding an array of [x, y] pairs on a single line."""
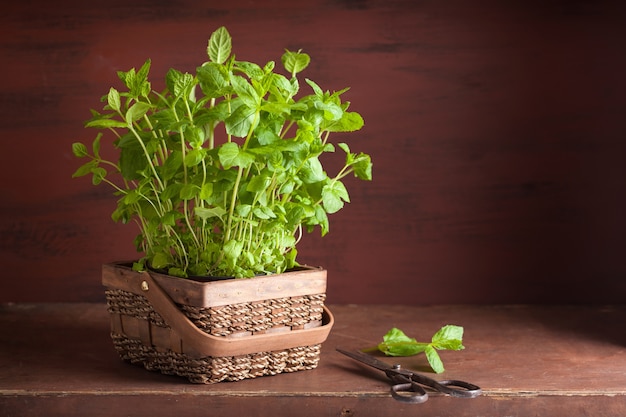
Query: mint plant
{"points": [[222, 170]]}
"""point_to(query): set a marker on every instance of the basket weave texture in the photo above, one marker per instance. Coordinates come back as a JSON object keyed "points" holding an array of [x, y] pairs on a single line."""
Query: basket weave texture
{"points": [[141, 336]]}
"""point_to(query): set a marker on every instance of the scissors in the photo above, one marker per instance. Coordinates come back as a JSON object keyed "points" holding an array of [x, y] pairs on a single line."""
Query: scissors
{"points": [[407, 386]]}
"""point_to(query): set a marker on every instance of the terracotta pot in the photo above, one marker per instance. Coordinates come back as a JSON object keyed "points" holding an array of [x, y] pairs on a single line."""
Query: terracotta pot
{"points": [[218, 331]]}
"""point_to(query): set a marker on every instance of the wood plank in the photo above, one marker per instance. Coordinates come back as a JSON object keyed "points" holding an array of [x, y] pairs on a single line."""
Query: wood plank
{"points": [[57, 359]]}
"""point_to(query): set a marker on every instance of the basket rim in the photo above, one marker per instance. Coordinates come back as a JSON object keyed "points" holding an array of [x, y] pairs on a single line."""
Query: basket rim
{"points": [[308, 281]]}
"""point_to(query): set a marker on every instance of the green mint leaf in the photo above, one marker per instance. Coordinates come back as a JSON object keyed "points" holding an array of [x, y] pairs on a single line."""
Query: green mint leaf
{"points": [[171, 217], [172, 165], [179, 84], [344, 147], [79, 150], [232, 249], [194, 157], [113, 99], [295, 62], [283, 84], [332, 111], [95, 146], [396, 335], [132, 160], [231, 155], [206, 213], [252, 70], [189, 192], [321, 219], [228, 154], [220, 45], [138, 266], [316, 88], [176, 272], [245, 91], [264, 213], [98, 175], [363, 166], [243, 209], [104, 123], [206, 191], [349, 122], [258, 183], [85, 169], [449, 337], [143, 86], [396, 343], [136, 111], [333, 196], [213, 79], [241, 121], [433, 359], [313, 171], [160, 260]]}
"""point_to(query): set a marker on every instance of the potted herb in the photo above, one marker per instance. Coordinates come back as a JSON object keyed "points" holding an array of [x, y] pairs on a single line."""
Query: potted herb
{"points": [[221, 171]]}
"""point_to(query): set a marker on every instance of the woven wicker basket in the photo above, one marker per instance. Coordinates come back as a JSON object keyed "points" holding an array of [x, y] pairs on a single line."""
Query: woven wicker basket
{"points": [[218, 331]]}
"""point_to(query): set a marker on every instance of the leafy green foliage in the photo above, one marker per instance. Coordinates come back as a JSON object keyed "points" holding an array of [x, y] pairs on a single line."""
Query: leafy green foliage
{"points": [[222, 170], [396, 343]]}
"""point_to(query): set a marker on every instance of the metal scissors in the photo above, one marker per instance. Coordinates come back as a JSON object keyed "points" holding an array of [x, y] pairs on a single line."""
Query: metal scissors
{"points": [[408, 386]]}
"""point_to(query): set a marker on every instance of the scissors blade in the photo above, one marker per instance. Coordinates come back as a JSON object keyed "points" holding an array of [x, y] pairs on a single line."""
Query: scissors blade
{"points": [[366, 359]]}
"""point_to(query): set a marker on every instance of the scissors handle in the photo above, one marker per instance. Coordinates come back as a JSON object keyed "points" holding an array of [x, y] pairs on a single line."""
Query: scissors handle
{"points": [[456, 388], [406, 390]]}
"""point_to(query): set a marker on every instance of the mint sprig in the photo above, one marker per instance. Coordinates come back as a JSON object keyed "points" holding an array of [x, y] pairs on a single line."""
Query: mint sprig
{"points": [[449, 337]]}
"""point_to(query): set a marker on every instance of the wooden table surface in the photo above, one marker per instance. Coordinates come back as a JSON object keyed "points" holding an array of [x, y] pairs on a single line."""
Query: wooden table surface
{"points": [[57, 359]]}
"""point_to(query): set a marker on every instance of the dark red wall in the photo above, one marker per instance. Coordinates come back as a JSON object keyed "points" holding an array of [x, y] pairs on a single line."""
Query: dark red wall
{"points": [[497, 129]]}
